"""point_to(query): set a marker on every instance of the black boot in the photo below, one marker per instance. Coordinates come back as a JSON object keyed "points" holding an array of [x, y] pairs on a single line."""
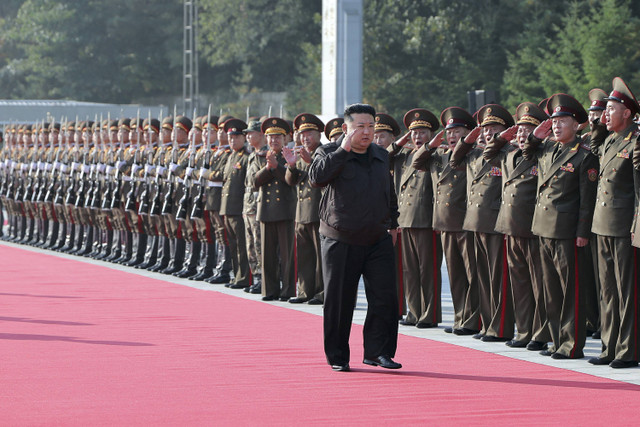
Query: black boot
{"points": [[87, 241], [70, 238], [116, 251], [141, 249], [191, 269], [164, 247], [209, 255], [151, 257], [127, 248], [177, 257]]}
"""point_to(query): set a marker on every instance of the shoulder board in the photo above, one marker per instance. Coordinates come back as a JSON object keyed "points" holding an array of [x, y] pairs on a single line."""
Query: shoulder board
{"points": [[585, 146]]}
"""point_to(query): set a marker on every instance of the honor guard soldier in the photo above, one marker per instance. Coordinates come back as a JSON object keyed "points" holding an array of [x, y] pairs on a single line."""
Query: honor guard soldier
{"points": [[177, 170], [218, 162], [449, 207], [308, 256], [333, 129], [257, 160], [483, 204], [159, 194], [202, 220], [386, 132], [422, 250], [612, 219], [276, 212], [519, 190], [234, 175], [567, 175]]}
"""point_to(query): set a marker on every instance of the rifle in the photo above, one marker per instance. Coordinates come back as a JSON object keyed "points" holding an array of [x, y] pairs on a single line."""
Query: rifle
{"points": [[130, 204], [167, 205], [143, 209], [198, 204]]}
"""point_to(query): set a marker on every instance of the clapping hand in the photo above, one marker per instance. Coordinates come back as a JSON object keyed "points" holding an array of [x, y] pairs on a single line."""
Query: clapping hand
{"points": [[272, 163], [289, 155]]}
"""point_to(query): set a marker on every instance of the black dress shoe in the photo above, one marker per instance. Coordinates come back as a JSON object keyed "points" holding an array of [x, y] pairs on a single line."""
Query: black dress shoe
{"points": [[424, 325], [448, 330], [383, 362], [491, 338], [268, 298], [622, 364], [284, 298], [478, 336], [238, 286], [253, 290], [219, 279], [186, 273], [536, 346], [599, 361], [465, 331], [314, 301], [297, 300], [404, 322], [559, 356], [516, 344], [341, 368], [596, 335], [546, 353]]}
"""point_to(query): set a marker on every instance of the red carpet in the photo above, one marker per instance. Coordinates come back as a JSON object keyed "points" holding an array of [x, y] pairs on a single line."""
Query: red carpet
{"points": [[87, 345]]}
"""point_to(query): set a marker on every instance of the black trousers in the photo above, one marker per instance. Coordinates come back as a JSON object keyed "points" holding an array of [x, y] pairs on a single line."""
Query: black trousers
{"points": [[342, 266]]}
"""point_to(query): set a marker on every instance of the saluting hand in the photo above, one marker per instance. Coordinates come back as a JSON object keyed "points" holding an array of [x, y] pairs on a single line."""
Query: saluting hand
{"points": [[403, 141], [509, 134], [543, 130], [346, 142], [472, 136], [437, 140]]}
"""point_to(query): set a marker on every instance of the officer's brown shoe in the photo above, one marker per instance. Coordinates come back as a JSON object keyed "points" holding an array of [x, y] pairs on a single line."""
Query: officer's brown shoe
{"points": [[622, 364]]}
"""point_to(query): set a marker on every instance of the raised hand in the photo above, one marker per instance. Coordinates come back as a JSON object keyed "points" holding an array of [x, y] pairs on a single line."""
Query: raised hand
{"points": [[289, 155], [305, 155], [437, 140], [509, 134], [272, 163], [346, 142], [403, 141], [543, 130], [473, 135]]}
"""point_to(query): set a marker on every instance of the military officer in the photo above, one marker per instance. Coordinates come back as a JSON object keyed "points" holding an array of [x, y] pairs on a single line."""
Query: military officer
{"points": [[612, 220], [519, 189], [307, 220], [567, 175], [422, 249], [483, 204], [333, 129], [276, 212], [449, 207]]}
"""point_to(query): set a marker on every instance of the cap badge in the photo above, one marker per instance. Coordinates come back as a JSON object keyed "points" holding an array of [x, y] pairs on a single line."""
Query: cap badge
{"points": [[450, 121], [274, 121], [416, 115], [526, 109], [558, 108], [489, 110], [304, 119], [378, 119]]}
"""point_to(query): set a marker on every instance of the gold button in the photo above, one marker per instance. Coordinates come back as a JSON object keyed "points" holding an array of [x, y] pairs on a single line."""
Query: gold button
{"points": [[277, 199], [522, 176], [455, 176], [446, 204]]}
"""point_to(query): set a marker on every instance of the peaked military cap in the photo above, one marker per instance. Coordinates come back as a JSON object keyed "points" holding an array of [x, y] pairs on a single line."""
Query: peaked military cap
{"points": [[124, 123], [254, 126], [529, 113], [562, 104], [334, 127], [598, 99], [235, 126], [167, 123], [419, 118], [136, 123], [307, 121], [184, 123], [54, 127], [155, 125], [385, 122], [223, 119], [543, 105], [494, 114], [457, 117], [622, 94], [211, 121], [275, 126]]}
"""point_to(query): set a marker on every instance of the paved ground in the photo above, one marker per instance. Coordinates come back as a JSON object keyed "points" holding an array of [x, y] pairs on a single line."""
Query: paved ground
{"points": [[592, 347]]}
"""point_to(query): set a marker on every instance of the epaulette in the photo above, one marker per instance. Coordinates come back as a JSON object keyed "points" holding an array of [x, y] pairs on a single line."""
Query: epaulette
{"points": [[585, 146]]}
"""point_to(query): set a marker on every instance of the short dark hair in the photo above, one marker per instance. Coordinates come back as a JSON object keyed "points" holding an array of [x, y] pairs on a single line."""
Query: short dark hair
{"points": [[358, 109]]}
